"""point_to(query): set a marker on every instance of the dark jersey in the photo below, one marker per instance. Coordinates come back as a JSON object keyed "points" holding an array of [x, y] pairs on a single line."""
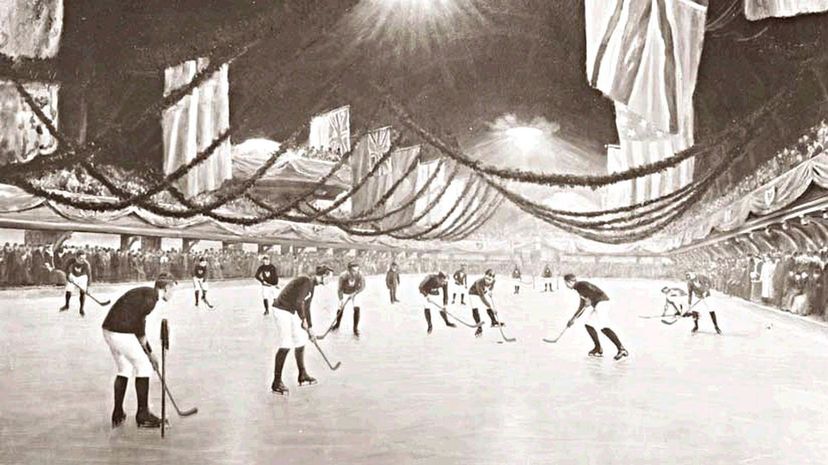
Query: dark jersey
{"points": [[590, 293], [700, 287], [129, 313], [431, 285], [547, 272], [392, 278], [200, 271], [480, 287], [460, 278], [351, 284], [516, 274], [78, 268], [297, 296], [267, 274]]}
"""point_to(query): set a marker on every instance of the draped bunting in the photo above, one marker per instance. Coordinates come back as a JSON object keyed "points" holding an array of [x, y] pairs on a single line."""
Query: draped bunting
{"points": [[761, 9], [291, 166], [194, 122], [401, 160], [30, 28], [369, 149], [770, 198], [424, 172], [22, 134]]}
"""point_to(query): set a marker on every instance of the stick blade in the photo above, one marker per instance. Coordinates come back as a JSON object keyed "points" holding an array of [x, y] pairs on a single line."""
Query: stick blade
{"points": [[336, 367], [187, 413]]}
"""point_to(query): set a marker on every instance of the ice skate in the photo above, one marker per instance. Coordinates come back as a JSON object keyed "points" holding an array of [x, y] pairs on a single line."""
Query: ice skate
{"points": [[147, 419], [279, 387], [596, 353], [621, 354], [306, 379], [118, 417]]}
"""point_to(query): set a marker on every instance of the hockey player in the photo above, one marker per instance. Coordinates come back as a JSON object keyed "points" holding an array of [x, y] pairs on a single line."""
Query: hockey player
{"points": [[124, 332], [432, 285], [596, 302], [392, 281], [675, 299], [699, 285], [292, 311], [268, 277], [460, 283], [200, 281], [547, 279], [79, 272], [516, 279], [480, 296], [351, 284]]}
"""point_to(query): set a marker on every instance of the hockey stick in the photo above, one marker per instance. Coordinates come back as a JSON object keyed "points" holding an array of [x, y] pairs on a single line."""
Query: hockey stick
{"points": [[500, 324], [204, 298], [552, 341], [181, 413], [332, 367], [336, 318], [103, 303], [443, 309]]}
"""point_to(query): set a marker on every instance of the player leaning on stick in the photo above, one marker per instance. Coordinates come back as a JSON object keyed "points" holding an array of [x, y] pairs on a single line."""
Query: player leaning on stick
{"points": [[596, 303], [124, 332], [351, 284], [699, 286], [480, 296], [200, 280], [79, 272], [268, 277], [460, 282], [293, 324], [516, 279], [432, 285], [675, 299]]}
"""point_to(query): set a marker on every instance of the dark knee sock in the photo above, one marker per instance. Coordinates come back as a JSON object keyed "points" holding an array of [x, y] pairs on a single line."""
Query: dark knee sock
{"points": [[120, 391], [462, 298], [476, 315], [82, 299], [266, 306], [445, 317], [427, 313], [715, 321], [204, 296], [453, 296], [196, 297], [356, 318], [299, 353], [613, 337], [142, 392], [68, 296], [594, 336], [492, 316], [281, 356], [696, 320]]}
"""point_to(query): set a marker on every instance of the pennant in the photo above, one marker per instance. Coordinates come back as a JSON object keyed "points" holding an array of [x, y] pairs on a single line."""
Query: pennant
{"points": [[368, 152], [761, 9], [194, 122], [401, 161]]}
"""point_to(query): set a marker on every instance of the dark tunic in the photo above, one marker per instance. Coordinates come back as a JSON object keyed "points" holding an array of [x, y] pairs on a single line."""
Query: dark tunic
{"points": [[129, 313]]}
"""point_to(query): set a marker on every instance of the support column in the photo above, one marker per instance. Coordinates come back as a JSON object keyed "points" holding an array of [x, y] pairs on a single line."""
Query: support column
{"points": [[127, 241], [285, 249], [188, 244], [150, 244]]}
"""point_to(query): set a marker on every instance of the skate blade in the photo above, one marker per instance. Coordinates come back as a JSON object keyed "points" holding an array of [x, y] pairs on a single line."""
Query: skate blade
{"points": [[280, 393], [308, 383]]}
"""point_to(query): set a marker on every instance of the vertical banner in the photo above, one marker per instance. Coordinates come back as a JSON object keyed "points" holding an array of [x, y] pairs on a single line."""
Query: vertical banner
{"points": [[192, 124], [30, 28], [369, 150], [761, 9], [401, 161], [23, 135]]}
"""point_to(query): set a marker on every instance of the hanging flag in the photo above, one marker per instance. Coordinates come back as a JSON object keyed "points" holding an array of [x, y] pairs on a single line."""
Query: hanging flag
{"points": [[194, 122], [369, 150], [331, 130], [619, 194], [23, 135], [761, 9], [645, 54], [30, 28], [641, 143], [425, 170], [401, 161]]}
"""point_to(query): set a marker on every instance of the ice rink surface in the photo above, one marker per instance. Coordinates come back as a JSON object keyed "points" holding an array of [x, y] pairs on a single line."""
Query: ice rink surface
{"points": [[756, 395]]}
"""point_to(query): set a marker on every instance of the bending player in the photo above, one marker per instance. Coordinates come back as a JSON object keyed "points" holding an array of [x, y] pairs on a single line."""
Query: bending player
{"points": [[674, 298], [460, 283], [200, 281], [547, 279], [432, 285], [268, 277], [699, 285], [516, 279], [124, 331], [351, 284], [480, 296], [596, 302], [78, 276], [293, 323]]}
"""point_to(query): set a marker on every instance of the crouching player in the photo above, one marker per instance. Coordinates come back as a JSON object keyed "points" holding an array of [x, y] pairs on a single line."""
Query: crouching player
{"points": [[480, 296], [596, 303], [124, 332]]}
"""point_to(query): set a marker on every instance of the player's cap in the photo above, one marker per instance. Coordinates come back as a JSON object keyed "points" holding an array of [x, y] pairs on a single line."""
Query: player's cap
{"points": [[490, 273], [442, 275], [265, 258], [164, 280], [665, 289], [80, 253], [202, 259], [352, 265], [322, 270], [569, 277], [393, 263]]}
